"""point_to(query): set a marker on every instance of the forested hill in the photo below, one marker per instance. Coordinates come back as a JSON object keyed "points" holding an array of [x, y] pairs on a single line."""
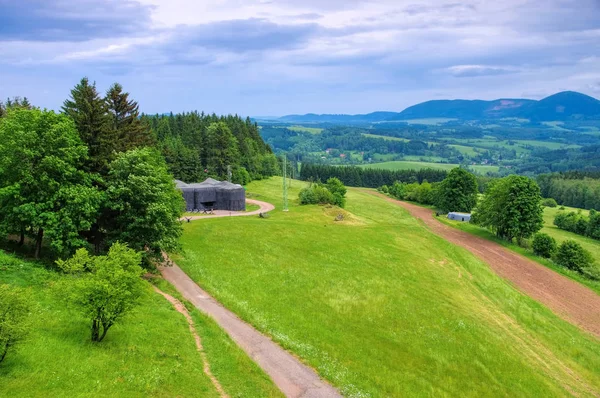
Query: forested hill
{"points": [[197, 146], [566, 105]]}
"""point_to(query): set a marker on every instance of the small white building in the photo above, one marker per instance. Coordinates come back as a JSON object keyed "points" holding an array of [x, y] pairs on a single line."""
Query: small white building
{"points": [[464, 217]]}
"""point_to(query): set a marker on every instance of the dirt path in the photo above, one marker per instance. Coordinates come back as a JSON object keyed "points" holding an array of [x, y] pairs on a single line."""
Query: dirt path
{"points": [[206, 367], [264, 208], [291, 376], [569, 299]]}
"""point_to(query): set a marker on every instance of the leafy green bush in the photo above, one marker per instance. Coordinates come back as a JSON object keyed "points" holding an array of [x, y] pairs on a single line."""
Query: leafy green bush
{"points": [[571, 255], [549, 202], [14, 309], [544, 245], [104, 288], [334, 192]]}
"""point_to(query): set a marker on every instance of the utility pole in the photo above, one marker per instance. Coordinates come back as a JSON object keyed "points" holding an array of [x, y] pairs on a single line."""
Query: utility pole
{"points": [[285, 188]]}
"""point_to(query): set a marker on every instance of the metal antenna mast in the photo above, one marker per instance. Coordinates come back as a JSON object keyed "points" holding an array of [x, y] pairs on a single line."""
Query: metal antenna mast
{"points": [[229, 173], [285, 188]]}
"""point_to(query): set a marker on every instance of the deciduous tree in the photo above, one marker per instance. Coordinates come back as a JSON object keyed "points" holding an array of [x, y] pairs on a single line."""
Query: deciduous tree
{"points": [[15, 305], [511, 208], [104, 288], [458, 192], [42, 187]]}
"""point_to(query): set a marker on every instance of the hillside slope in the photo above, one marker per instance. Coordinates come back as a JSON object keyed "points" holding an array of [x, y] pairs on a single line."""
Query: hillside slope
{"points": [[381, 307]]}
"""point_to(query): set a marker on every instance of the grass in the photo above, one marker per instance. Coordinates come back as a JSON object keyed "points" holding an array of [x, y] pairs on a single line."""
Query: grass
{"points": [[591, 245], [465, 150], [150, 353], [303, 129], [415, 165], [381, 307], [385, 137], [407, 165]]}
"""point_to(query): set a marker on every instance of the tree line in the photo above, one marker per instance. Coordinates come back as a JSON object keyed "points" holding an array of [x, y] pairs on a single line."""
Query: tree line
{"points": [[197, 146], [575, 189], [577, 223], [368, 178]]}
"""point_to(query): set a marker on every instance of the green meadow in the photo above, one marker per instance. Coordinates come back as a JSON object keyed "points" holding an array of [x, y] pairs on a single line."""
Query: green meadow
{"points": [[151, 353], [382, 307], [416, 165], [303, 129]]}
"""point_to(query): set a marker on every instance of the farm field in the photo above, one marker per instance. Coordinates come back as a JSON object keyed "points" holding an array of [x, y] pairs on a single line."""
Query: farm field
{"points": [[380, 306], [415, 165], [311, 130], [151, 353], [592, 245], [385, 137]]}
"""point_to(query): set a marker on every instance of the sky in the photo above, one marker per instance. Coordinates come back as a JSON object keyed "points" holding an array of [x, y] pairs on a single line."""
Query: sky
{"points": [[278, 57]]}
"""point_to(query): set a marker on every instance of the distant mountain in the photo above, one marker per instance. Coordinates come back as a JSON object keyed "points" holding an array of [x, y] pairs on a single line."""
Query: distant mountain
{"points": [[313, 118], [566, 105]]}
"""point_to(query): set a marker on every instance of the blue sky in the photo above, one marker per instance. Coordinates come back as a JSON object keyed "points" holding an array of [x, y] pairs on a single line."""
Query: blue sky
{"points": [[276, 57]]}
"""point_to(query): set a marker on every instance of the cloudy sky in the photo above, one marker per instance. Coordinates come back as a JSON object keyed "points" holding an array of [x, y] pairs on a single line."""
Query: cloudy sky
{"points": [[275, 57]]}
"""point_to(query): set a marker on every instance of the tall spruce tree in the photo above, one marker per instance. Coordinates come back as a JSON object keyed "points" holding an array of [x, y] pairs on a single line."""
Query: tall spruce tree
{"points": [[89, 111], [128, 128], [221, 149]]}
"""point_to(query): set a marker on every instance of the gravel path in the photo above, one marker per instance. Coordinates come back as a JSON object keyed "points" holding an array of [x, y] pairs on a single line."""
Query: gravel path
{"points": [[264, 208], [569, 299]]}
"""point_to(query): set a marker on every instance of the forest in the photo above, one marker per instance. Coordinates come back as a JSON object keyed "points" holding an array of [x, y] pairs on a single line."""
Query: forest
{"points": [[368, 178], [99, 172]]}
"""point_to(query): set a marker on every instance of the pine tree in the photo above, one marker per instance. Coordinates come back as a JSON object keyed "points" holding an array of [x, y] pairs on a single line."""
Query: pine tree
{"points": [[221, 149], [128, 128], [89, 112]]}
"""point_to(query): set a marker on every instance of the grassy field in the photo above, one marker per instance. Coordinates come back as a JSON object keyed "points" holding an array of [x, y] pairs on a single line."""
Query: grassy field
{"points": [[385, 137], [151, 353], [410, 165], [311, 130], [406, 165], [592, 245], [381, 307]]}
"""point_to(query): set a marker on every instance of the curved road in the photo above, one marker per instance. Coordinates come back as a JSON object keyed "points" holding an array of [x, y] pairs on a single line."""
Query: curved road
{"points": [[264, 208], [290, 375], [569, 299]]}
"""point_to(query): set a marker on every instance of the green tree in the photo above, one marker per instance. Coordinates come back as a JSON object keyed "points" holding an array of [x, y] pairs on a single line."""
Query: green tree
{"points": [[338, 190], [571, 255], [89, 112], [544, 245], [221, 149], [15, 305], [458, 192], [42, 188], [511, 208], [128, 129], [104, 288], [549, 202], [593, 225], [143, 205]]}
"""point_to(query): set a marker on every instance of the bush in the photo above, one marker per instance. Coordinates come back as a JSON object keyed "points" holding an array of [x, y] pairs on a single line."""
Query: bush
{"points": [[544, 245], [549, 202], [571, 255], [104, 288], [561, 208], [14, 309], [333, 193]]}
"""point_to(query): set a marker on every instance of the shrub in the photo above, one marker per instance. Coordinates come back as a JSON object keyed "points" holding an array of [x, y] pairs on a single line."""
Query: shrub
{"points": [[333, 193], [571, 255], [549, 202], [14, 309], [544, 245], [561, 208], [104, 288]]}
